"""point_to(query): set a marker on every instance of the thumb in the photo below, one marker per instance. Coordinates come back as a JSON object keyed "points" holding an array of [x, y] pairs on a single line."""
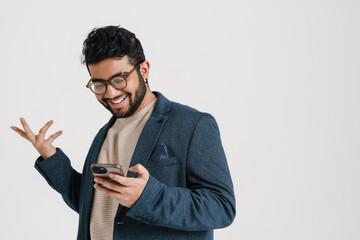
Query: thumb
{"points": [[141, 170]]}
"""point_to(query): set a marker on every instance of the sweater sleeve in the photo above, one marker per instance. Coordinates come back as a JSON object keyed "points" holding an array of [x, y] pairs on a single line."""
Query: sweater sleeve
{"points": [[60, 175], [207, 202]]}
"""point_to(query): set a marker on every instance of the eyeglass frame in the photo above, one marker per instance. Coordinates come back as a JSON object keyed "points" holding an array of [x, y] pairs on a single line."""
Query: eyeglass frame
{"points": [[107, 82]]}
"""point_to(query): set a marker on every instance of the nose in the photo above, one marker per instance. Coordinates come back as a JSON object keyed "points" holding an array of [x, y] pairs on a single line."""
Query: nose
{"points": [[111, 92]]}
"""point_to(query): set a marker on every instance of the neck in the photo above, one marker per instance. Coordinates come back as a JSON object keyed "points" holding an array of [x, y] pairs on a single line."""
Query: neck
{"points": [[148, 98]]}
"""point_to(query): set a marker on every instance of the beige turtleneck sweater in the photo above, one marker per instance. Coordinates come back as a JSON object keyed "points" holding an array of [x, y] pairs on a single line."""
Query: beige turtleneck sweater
{"points": [[118, 147]]}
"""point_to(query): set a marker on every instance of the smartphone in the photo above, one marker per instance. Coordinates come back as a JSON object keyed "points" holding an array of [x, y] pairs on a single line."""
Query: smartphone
{"points": [[103, 170]]}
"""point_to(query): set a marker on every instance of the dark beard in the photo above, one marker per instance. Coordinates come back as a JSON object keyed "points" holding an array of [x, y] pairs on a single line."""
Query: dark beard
{"points": [[133, 106]]}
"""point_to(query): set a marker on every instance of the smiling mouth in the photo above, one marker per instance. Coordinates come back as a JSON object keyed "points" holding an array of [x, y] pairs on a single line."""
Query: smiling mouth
{"points": [[116, 103], [118, 100]]}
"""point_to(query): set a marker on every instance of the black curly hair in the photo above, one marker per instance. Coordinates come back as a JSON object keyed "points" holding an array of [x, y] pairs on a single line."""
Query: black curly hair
{"points": [[112, 41]]}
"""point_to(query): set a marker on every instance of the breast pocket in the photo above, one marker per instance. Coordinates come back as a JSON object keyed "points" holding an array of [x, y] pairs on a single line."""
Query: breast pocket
{"points": [[156, 163], [161, 158], [163, 166], [166, 171]]}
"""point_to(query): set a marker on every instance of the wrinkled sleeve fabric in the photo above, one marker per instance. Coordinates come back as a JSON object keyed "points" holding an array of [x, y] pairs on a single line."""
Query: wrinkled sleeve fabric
{"points": [[62, 177], [207, 202]]}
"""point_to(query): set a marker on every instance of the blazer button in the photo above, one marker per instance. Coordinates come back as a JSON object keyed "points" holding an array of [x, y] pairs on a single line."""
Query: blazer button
{"points": [[119, 223]]}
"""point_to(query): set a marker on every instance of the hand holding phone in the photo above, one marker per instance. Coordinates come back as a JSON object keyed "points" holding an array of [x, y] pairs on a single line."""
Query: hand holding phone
{"points": [[103, 170]]}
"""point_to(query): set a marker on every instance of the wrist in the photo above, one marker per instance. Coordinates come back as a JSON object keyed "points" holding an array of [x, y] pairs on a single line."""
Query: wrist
{"points": [[49, 153]]}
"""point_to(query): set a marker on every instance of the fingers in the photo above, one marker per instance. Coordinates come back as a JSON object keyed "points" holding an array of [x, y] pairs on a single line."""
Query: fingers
{"points": [[20, 132], [103, 189], [54, 136], [141, 170], [125, 190], [29, 135], [28, 132], [45, 128], [125, 181], [120, 179], [107, 184]]}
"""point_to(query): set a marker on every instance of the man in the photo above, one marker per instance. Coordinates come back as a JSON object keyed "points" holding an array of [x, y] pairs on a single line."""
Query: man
{"points": [[179, 185]]}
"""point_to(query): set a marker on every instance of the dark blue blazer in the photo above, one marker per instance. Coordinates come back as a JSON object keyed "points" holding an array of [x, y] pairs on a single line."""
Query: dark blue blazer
{"points": [[189, 192]]}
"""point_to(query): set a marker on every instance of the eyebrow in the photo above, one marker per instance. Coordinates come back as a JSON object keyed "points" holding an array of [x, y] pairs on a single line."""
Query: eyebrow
{"points": [[115, 75]]}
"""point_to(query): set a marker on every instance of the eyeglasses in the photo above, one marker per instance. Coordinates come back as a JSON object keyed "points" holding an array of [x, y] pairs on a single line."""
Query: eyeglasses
{"points": [[118, 82]]}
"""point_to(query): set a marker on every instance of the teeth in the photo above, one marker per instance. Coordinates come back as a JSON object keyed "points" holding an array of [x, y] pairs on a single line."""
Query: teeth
{"points": [[119, 100]]}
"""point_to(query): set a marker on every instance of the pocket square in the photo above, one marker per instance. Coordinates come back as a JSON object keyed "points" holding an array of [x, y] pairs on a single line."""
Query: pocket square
{"points": [[160, 153]]}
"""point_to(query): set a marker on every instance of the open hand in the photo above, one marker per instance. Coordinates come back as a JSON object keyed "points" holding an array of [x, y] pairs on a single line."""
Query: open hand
{"points": [[125, 190], [42, 145]]}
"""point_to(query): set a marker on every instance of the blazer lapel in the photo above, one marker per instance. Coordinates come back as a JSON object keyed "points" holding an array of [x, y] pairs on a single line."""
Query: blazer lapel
{"points": [[147, 140], [150, 133]]}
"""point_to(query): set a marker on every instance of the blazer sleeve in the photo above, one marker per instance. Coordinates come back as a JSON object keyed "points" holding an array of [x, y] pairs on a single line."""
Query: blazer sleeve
{"points": [[62, 177], [207, 202]]}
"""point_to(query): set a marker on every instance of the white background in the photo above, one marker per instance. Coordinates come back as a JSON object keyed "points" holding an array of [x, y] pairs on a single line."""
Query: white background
{"points": [[280, 77]]}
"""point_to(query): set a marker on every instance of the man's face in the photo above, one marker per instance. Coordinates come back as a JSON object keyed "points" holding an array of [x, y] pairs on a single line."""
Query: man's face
{"points": [[125, 102]]}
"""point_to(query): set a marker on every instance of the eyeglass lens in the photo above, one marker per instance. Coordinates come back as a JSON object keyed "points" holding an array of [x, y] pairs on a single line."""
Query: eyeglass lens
{"points": [[100, 87]]}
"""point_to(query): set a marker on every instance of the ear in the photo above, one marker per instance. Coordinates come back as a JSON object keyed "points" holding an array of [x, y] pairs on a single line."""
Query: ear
{"points": [[144, 69]]}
